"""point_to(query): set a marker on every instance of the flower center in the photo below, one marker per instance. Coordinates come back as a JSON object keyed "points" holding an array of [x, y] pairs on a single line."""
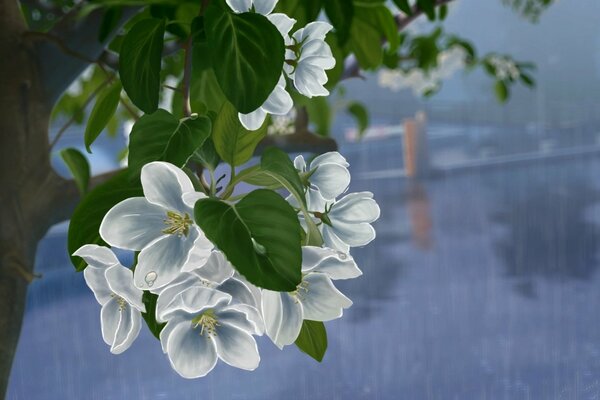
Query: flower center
{"points": [[300, 292], [121, 301], [207, 322], [177, 224]]}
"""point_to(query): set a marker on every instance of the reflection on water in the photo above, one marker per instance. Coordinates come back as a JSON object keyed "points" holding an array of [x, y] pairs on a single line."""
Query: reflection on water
{"points": [[455, 303]]}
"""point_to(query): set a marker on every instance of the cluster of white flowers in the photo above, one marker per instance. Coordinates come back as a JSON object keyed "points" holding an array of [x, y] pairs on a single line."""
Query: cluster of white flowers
{"points": [[209, 310], [308, 56], [505, 67], [449, 62]]}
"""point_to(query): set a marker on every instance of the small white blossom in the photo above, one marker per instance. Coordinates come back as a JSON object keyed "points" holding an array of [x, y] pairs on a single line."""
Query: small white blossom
{"points": [[203, 326], [159, 225], [328, 174], [316, 298], [113, 287], [311, 60]]}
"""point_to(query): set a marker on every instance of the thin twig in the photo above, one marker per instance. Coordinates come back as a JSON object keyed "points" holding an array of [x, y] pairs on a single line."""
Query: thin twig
{"points": [[87, 102], [130, 110], [60, 43]]}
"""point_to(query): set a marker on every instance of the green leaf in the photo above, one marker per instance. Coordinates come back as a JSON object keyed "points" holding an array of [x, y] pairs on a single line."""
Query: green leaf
{"points": [[85, 222], [404, 6], [443, 12], [361, 115], [110, 21], [313, 339], [162, 137], [247, 55], [207, 155], [260, 235], [527, 80], [365, 42], [501, 90], [139, 63], [340, 13], [103, 110], [149, 300], [79, 167], [277, 164], [303, 11], [320, 114], [234, 144], [428, 8]]}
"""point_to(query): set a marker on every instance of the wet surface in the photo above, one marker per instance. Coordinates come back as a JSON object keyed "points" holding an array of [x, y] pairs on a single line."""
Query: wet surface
{"points": [[481, 284]]}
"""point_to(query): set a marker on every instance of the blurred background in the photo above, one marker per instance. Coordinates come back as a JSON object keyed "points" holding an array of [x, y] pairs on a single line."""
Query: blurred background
{"points": [[482, 282]]}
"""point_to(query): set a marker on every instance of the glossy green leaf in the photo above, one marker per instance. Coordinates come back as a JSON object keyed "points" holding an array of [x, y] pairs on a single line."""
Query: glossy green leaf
{"points": [[428, 7], [247, 55], [365, 42], [361, 115], [340, 13], [207, 155], [313, 339], [303, 11], [85, 222], [149, 299], [162, 137], [110, 21], [234, 144], [260, 235], [404, 6], [139, 64], [101, 114], [79, 167]]}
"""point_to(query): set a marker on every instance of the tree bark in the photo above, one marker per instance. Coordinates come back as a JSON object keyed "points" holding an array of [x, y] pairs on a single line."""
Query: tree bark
{"points": [[25, 176]]}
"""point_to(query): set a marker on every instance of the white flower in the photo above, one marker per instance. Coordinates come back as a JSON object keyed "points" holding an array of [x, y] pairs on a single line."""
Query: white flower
{"points": [[311, 60], [346, 223], [328, 174], [316, 298], [217, 273], [203, 326], [121, 301], [264, 7], [160, 225]]}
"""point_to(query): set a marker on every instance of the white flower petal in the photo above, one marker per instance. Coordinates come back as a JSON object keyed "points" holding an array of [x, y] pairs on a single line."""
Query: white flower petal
{"points": [[165, 333], [96, 281], [309, 80], [279, 101], [133, 224], [317, 53], [216, 269], [192, 300], [239, 292], [283, 23], [200, 253], [235, 316], [110, 317], [354, 234], [164, 185], [129, 328], [120, 281], [331, 240], [165, 307], [190, 354], [331, 157], [236, 347], [191, 198], [322, 301], [264, 7], [283, 317], [161, 262], [333, 263], [314, 31], [300, 163], [240, 6], [253, 120], [331, 179], [355, 208], [97, 256]]}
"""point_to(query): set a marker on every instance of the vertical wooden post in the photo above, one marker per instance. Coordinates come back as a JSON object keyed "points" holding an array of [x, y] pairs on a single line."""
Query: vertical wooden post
{"points": [[416, 147]]}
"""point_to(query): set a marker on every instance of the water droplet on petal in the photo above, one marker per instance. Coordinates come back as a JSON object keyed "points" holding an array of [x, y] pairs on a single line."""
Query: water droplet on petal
{"points": [[342, 256], [150, 278]]}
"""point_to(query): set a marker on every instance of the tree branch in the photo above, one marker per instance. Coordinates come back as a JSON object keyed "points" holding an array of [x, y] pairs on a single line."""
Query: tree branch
{"points": [[59, 68], [352, 69]]}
